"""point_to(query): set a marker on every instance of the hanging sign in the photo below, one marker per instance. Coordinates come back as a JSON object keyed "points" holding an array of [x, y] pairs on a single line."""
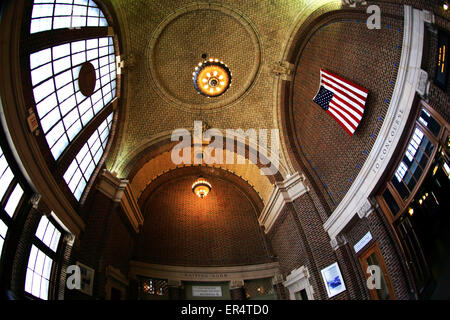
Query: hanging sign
{"points": [[442, 61]]}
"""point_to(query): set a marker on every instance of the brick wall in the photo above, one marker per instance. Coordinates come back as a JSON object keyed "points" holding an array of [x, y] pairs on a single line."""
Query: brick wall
{"points": [[383, 237], [107, 240], [182, 229], [369, 58]]}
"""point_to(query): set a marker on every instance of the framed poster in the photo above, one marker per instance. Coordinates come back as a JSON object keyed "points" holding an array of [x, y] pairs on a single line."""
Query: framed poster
{"points": [[332, 277], [87, 279]]}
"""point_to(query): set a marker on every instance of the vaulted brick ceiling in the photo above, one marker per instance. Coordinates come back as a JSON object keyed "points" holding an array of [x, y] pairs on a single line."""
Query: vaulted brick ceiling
{"points": [[162, 42]]}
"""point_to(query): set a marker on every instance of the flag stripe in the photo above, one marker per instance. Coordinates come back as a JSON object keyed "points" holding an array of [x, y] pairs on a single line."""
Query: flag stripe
{"points": [[350, 122], [353, 85], [348, 115], [335, 89], [338, 120], [356, 112], [345, 99], [344, 89]]}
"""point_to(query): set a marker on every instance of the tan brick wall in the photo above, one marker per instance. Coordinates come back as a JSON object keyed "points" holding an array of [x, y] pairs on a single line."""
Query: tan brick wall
{"points": [[182, 229]]}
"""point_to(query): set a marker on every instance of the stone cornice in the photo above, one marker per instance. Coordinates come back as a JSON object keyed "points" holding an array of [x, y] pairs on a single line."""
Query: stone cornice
{"points": [[283, 192], [120, 191], [183, 273]]}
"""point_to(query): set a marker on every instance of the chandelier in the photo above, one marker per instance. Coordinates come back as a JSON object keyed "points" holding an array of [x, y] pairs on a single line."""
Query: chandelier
{"points": [[212, 78], [201, 187]]}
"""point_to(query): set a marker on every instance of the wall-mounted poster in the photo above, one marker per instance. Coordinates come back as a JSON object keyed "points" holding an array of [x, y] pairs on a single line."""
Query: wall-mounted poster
{"points": [[334, 283], [87, 279]]}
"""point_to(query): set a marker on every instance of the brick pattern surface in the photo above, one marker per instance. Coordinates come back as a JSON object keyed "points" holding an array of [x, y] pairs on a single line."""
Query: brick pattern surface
{"points": [[370, 58], [182, 229], [148, 114]]}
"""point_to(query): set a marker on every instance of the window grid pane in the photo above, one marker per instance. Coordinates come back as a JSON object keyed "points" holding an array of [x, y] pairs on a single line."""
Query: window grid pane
{"points": [[38, 273], [14, 200], [82, 167], [3, 231], [62, 109], [48, 233], [6, 175], [48, 15]]}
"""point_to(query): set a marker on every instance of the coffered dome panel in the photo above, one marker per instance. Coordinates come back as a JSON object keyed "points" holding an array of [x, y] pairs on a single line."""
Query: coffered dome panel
{"points": [[180, 41]]}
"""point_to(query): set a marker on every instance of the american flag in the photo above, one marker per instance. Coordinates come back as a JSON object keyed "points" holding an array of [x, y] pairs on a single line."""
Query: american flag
{"points": [[342, 100]]}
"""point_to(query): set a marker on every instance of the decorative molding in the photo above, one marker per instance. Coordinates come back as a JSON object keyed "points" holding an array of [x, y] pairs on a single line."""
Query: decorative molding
{"points": [[353, 3], [424, 84], [210, 274], [428, 16], [283, 192], [338, 242], [298, 280], [393, 125], [365, 210], [283, 69], [69, 239], [35, 199], [277, 279], [236, 284], [120, 191]]}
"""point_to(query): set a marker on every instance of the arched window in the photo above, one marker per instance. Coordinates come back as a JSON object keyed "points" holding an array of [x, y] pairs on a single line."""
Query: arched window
{"points": [[51, 14], [73, 79], [41, 261], [11, 194]]}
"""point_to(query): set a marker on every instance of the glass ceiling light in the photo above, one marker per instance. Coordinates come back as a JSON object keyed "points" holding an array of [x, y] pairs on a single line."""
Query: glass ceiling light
{"points": [[201, 187], [212, 78]]}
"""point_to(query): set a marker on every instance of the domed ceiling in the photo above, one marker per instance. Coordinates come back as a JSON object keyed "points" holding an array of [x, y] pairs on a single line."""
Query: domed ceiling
{"points": [[192, 35], [162, 43]]}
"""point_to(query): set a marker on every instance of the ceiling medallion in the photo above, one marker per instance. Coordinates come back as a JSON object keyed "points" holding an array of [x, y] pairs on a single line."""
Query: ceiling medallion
{"points": [[201, 187], [212, 78]]}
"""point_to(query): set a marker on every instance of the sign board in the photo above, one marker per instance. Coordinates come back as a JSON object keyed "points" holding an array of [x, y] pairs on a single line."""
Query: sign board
{"points": [[361, 243], [332, 277], [206, 291], [442, 61]]}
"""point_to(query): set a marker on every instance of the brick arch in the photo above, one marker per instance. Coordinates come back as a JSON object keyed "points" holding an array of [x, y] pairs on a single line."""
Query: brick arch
{"points": [[153, 159], [182, 229], [206, 171]]}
